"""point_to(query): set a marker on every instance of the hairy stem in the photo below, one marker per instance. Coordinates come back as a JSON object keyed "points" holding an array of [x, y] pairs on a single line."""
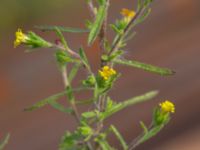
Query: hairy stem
{"points": [[102, 34], [72, 102], [67, 85], [71, 52]]}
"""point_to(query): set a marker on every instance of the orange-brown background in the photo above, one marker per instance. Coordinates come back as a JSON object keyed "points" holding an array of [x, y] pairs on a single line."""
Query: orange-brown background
{"points": [[170, 37]]}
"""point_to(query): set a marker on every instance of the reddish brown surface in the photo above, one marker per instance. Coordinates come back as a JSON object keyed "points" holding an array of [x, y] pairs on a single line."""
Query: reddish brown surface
{"points": [[169, 38]]}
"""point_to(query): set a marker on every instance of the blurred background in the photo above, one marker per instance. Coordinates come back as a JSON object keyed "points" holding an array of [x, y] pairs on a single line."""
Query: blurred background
{"points": [[170, 37]]}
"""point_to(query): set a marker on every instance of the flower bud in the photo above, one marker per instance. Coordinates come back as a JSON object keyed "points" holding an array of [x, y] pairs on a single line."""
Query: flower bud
{"points": [[31, 39]]}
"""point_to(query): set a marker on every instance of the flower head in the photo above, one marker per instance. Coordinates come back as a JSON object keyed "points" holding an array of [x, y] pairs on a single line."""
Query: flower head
{"points": [[20, 38], [107, 72], [128, 14], [167, 107], [30, 39]]}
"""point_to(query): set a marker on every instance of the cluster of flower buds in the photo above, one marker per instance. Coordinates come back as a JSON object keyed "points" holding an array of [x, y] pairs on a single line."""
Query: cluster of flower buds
{"points": [[30, 39]]}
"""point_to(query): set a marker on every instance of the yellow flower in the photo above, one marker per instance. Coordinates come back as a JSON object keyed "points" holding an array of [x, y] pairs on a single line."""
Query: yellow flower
{"points": [[167, 107], [20, 38], [128, 14], [107, 72]]}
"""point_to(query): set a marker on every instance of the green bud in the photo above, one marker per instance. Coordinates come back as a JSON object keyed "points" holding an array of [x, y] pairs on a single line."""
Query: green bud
{"points": [[159, 117], [62, 57]]}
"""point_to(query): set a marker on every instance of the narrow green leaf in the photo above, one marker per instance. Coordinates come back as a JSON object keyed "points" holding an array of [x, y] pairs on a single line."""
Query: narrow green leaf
{"points": [[150, 134], [139, 99], [96, 27], [144, 16], [129, 37], [70, 94], [60, 107], [119, 136], [104, 145], [144, 127], [74, 71], [146, 136], [147, 2], [4, 142], [139, 4], [83, 57], [70, 141], [146, 67], [135, 100], [62, 38], [63, 29], [45, 101], [88, 114], [84, 102]]}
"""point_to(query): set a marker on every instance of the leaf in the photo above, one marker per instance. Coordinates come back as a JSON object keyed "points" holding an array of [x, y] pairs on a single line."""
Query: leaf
{"points": [[88, 114], [63, 29], [144, 16], [147, 2], [120, 138], [146, 67], [150, 134], [70, 142], [104, 145], [84, 102], [135, 100], [84, 57], [114, 55], [96, 27], [144, 127], [62, 38], [139, 99], [116, 29], [129, 37], [73, 71], [102, 141], [4, 142], [45, 101], [60, 107], [139, 5], [70, 94]]}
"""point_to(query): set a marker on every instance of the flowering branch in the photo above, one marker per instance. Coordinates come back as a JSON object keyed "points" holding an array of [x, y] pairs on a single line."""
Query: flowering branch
{"points": [[90, 133]]}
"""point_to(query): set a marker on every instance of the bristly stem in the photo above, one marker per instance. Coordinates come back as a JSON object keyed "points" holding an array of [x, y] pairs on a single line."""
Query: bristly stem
{"points": [[67, 85], [71, 52], [102, 34], [72, 101]]}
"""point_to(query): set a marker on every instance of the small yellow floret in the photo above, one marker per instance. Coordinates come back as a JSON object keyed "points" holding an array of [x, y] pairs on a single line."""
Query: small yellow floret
{"points": [[107, 72], [128, 14], [167, 107], [20, 38]]}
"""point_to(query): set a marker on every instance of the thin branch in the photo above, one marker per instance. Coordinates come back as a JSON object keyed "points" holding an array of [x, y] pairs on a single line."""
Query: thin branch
{"points": [[67, 84], [71, 52], [102, 34], [73, 104], [136, 141]]}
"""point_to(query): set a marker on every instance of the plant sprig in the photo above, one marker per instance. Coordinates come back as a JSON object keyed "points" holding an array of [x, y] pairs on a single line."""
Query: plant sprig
{"points": [[90, 132]]}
